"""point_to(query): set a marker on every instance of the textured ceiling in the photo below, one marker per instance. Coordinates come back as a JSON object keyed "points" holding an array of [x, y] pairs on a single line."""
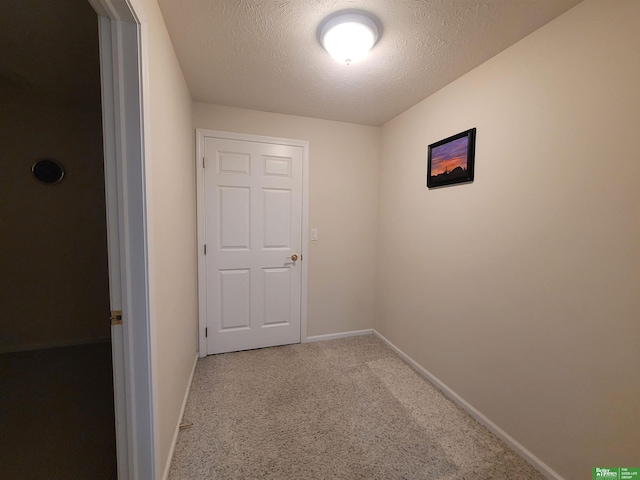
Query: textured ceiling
{"points": [[264, 54]]}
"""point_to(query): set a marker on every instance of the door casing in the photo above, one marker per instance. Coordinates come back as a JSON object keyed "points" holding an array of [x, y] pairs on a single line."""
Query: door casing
{"points": [[124, 79], [201, 134]]}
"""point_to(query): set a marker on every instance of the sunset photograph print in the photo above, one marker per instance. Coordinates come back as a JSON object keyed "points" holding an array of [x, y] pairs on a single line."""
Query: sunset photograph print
{"points": [[446, 158]]}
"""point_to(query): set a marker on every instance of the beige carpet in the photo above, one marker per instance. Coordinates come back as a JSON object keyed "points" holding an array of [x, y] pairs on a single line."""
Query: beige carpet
{"points": [[56, 414], [340, 409]]}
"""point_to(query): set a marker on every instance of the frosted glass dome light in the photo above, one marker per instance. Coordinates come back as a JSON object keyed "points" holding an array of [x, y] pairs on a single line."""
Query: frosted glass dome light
{"points": [[348, 36]]}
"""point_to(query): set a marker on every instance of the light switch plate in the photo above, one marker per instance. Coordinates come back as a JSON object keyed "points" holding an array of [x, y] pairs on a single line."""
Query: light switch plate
{"points": [[314, 234]]}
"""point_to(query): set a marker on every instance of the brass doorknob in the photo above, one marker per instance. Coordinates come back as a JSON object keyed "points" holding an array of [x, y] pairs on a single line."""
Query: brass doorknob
{"points": [[294, 257]]}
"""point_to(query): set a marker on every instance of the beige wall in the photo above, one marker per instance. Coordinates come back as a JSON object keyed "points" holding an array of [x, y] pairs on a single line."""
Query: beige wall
{"points": [[53, 241], [521, 291], [172, 232], [343, 198]]}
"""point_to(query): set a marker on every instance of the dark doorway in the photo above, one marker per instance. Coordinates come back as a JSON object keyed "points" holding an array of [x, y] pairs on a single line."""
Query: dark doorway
{"points": [[56, 380]]}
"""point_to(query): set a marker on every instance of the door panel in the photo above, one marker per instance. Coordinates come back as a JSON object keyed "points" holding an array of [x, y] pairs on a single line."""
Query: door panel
{"points": [[253, 205], [231, 162], [234, 217], [277, 288], [277, 218], [277, 166], [235, 299]]}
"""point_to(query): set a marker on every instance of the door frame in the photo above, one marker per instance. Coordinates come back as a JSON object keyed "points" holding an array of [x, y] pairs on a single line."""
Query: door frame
{"points": [[124, 82], [201, 134]]}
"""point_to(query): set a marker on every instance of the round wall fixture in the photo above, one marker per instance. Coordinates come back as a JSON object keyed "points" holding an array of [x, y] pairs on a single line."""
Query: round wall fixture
{"points": [[48, 171], [349, 35]]}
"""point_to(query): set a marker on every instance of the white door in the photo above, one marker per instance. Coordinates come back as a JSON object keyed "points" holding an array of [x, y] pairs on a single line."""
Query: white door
{"points": [[253, 215]]}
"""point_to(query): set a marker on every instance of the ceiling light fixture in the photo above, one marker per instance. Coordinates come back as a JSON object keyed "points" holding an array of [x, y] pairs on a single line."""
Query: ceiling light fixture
{"points": [[349, 35]]}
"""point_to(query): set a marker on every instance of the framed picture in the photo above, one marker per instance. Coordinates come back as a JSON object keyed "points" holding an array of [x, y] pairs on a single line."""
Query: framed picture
{"points": [[450, 161]]}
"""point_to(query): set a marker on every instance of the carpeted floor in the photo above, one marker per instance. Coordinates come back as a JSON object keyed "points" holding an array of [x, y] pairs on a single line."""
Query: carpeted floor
{"points": [[56, 414], [339, 409]]}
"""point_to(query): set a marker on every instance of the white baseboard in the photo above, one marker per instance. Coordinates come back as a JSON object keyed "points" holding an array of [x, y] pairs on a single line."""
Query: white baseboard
{"points": [[538, 464], [333, 336], [52, 344], [167, 466]]}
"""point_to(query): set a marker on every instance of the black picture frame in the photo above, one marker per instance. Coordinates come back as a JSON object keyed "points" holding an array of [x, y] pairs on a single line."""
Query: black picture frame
{"points": [[451, 161]]}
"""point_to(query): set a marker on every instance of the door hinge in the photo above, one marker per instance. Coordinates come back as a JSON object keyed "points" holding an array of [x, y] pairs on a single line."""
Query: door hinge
{"points": [[203, 162], [116, 317], [206, 332], [205, 248]]}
